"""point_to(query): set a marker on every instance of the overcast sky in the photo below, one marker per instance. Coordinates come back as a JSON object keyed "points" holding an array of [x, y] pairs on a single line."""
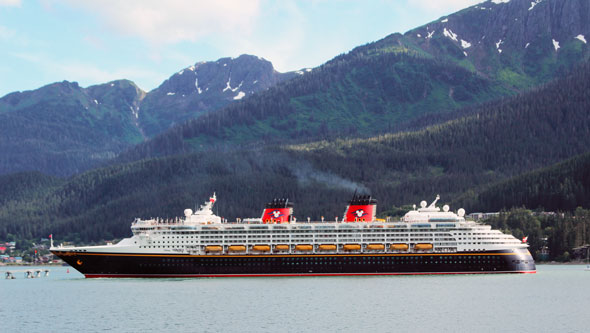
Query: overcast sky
{"points": [[96, 41]]}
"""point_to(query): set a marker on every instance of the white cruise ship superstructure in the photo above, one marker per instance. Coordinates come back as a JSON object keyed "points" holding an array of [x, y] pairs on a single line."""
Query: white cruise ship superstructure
{"points": [[426, 240]]}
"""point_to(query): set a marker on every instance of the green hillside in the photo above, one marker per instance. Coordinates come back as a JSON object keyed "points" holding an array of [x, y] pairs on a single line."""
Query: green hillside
{"points": [[356, 95], [484, 52], [563, 186], [63, 129], [491, 144]]}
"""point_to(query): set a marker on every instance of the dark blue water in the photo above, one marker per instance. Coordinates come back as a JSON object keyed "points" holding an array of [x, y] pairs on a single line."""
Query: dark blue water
{"points": [[557, 298]]}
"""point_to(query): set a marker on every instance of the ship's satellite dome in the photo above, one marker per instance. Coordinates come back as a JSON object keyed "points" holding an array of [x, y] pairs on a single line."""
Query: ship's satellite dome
{"points": [[423, 204], [188, 212], [461, 212], [446, 208]]}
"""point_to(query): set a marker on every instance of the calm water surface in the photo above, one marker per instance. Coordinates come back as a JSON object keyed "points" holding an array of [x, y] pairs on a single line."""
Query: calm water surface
{"points": [[557, 298]]}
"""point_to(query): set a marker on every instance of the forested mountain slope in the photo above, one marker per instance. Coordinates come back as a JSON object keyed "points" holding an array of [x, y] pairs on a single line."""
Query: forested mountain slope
{"points": [[460, 157], [478, 54], [63, 129], [563, 186], [205, 87]]}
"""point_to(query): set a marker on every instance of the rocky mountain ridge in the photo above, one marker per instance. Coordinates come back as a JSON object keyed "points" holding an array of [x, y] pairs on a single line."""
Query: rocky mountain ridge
{"points": [[491, 50], [62, 128]]}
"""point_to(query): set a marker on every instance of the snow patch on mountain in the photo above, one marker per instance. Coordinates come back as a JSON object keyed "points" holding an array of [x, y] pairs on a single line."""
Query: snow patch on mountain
{"points": [[497, 2], [170, 94], [581, 38], [555, 44], [134, 112], [228, 86], [465, 44], [534, 3], [445, 20], [449, 33], [527, 45], [500, 42], [239, 95], [197, 86], [430, 34]]}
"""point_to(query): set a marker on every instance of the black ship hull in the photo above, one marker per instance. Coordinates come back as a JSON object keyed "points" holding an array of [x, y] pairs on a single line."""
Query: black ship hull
{"points": [[95, 265]]}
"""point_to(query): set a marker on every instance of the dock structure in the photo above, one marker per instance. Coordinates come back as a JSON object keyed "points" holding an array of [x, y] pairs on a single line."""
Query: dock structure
{"points": [[28, 273]]}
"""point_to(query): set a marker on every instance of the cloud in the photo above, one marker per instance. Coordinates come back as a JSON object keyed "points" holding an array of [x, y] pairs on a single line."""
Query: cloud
{"points": [[10, 3], [6, 33], [85, 73], [173, 21], [282, 47]]}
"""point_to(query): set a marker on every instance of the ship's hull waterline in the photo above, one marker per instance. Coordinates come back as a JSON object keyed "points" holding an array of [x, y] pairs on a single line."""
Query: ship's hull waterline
{"points": [[95, 265]]}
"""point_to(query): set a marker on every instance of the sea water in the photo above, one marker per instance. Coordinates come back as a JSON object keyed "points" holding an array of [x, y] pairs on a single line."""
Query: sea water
{"points": [[556, 298]]}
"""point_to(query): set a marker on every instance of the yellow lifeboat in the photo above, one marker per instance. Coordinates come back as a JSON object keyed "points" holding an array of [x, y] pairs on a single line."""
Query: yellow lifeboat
{"points": [[423, 246], [236, 248], [213, 248], [351, 247], [399, 247], [375, 247], [327, 247], [281, 247], [304, 247], [261, 248]]}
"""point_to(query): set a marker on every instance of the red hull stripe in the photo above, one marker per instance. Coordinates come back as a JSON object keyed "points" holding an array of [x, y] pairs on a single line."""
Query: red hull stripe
{"points": [[287, 274]]}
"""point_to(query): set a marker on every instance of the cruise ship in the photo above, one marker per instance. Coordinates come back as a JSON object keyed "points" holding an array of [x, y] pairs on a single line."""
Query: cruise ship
{"points": [[427, 240]]}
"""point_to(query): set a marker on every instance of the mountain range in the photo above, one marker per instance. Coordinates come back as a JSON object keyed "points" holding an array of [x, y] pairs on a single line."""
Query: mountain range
{"points": [[479, 106], [63, 129], [484, 52]]}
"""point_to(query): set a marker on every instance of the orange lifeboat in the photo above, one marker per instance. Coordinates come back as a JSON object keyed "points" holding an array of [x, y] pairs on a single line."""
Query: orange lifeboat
{"points": [[236, 248], [351, 247], [282, 247], [423, 246], [327, 247], [261, 248], [375, 247], [304, 247], [399, 247], [213, 248]]}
